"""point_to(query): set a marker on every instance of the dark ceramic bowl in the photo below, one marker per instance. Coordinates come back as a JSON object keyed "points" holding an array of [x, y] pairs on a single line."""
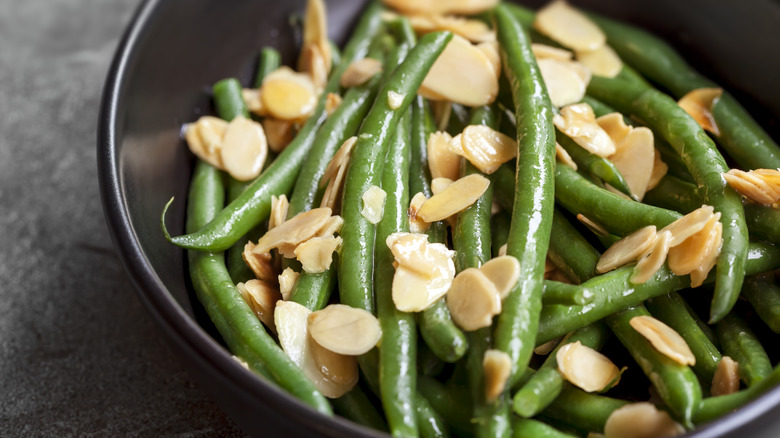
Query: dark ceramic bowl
{"points": [[174, 50]]}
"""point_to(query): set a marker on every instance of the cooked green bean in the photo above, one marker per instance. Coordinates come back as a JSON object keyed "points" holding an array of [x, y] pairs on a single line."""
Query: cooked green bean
{"points": [[600, 167], [713, 408], [268, 61], [741, 344], [581, 410], [523, 428], [356, 406], [763, 293], [450, 401], [570, 252]]}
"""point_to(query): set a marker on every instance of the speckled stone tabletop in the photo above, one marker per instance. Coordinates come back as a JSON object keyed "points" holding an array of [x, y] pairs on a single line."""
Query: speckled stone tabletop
{"points": [[79, 355]]}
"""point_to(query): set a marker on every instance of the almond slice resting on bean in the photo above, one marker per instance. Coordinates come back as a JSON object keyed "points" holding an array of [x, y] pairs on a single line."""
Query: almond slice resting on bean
{"points": [[726, 377], [627, 249], [634, 158], [315, 32], [261, 298], [287, 280], [424, 271], [244, 149], [564, 82], [602, 61], [659, 171], [439, 184], [278, 133], [259, 263], [693, 252], [759, 185], [569, 27], [595, 228], [279, 207], [563, 156], [394, 100], [473, 300], [496, 367], [332, 226], [456, 197], [339, 368], [698, 104], [316, 254], [417, 225], [486, 148], [503, 271], [585, 367], [689, 224], [542, 51], [373, 204], [294, 231], [345, 330], [579, 123], [359, 72], [652, 261], [288, 95], [664, 339], [204, 138], [475, 31], [332, 102], [641, 420], [434, 7], [714, 244], [441, 160], [615, 126]]}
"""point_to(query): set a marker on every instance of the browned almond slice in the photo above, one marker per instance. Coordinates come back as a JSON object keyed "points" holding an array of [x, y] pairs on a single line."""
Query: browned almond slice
{"points": [[338, 368], [279, 207], [315, 32], [763, 187], [434, 7], [260, 264], [442, 162], [712, 251], [503, 271], [279, 133], [490, 50], [698, 104], [689, 224], [564, 82], [331, 198], [340, 158], [543, 51], [244, 149], [664, 339], [204, 139], [615, 126], [585, 367], [331, 227], [641, 420], [373, 204], [359, 72], [473, 300], [659, 171], [595, 228], [332, 102], [486, 148], [461, 74], [316, 254], [313, 62], [694, 251], [345, 330], [651, 262], [261, 298], [767, 183], [579, 123], [394, 100], [252, 99], [547, 347], [294, 231], [496, 367], [288, 95], [602, 61], [456, 197], [569, 26], [726, 378], [634, 158], [287, 280], [627, 249], [562, 156], [417, 225]]}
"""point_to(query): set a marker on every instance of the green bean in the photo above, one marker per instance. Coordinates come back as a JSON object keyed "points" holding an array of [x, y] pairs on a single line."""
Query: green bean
{"points": [[570, 252], [713, 408], [268, 61], [356, 406], [523, 428], [763, 293], [763, 222], [581, 410], [567, 297], [499, 225], [430, 421], [450, 401], [742, 345], [529, 233], [335, 53], [598, 166], [428, 364], [674, 194], [254, 204]]}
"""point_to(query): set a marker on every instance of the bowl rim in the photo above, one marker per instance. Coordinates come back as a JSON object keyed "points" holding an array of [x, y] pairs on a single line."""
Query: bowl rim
{"points": [[169, 314]]}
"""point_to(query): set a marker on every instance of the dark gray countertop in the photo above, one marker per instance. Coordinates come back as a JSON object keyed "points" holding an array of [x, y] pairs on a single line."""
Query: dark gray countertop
{"points": [[79, 356]]}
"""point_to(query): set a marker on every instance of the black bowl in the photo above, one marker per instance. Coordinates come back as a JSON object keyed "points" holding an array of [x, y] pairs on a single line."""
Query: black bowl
{"points": [[174, 50]]}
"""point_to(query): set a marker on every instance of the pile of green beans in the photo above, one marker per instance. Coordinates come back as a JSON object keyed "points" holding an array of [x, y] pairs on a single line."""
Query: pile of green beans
{"points": [[426, 377]]}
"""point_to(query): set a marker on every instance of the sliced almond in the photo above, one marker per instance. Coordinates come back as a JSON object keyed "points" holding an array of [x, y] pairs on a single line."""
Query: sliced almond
{"points": [[651, 262], [486, 148], [316, 254], [490, 50], [442, 162], [244, 149], [287, 280], [664, 339], [715, 243], [279, 208], [331, 198], [261, 298], [563, 80], [634, 158], [641, 420], [569, 27], [543, 51], [627, 249], [442, 112], [563, 156], [579, 123], [595, 228], [359, 72], [585, 367], [502, 250], [417, 225], [315, 32], [294, 231], [332, 226], [424, 271], [434, 7], [475, 31], [339, 368], [456, 197], [760, 185], [373, 204], [340, 158], [252, 100], [615, 126], [332, 102], [547, 347], [394, 100], [602, 61], [694, 251], [344, 329], [461, 74], [698, 104], [503, 272], [319, 67], [659, 171], [726, 377], [279, 133], [496, 367], [473, 300], [689, 224], [204, 139], [288, 95], [260, 263]]}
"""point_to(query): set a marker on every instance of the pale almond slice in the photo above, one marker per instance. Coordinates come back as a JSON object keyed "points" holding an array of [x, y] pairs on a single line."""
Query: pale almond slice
{"points": [[359, 72], [373, 204], [287, 280], [564, 82], [204, 138], [413, 292], [659, 171], [547, 347], [394, 100], [503, 271], [260, 264], [456, 197], [563, 156], [279, 207], [585, 367], [475, 31], [315, 32], [726, 377], [502, 250], [698, 104], [490, 50], [417, 225], [486, 148], [442, 162], [473, 300], [456, 145], [434, 7], [694, 251], [332, 226], [414, 252], [279, 133], [763, 182], [579, 123], [634, 158], [339, 368], [340, 158], [689, 224], [595, 228], [641, 420], [294, 231], [543, 51], [332, 102], [313, 62], [714, 244], [763, 187], [252, 100], [345, 330], [496, 367], [651, 262], [261, 298], [627, 249], [461, 74], [244, 149], [664, 339], [602, 61], [288, 95], [442, 111], [331, 198], [615, 126], [569, 27], [316, 254]]}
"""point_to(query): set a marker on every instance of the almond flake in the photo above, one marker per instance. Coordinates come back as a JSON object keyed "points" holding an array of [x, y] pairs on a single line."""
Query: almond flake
{"points": [[338, 368], [442, 162], [698, 104], [252, 100], [503, 271], [579, 123], [345, 330], [332, 102], [244, 149], [316, 254], [473, 300], [615, 126], [456, 197], [424, 271], [279, 133], [287, 280], [442, 111], [632, 157], [315, 33], [279, 207], [586, 368], [543, 51], [726, 378], [496, 367], [359, 72], [288, 95], [652, 261], [332, 226], [331, 198], [486, 148], [490, 50], [627, 249], [502, 250], [417, 225], [340, 158], [689, 224], [204, 139], [664, 339], [602, 61], [569, 27], [563, 80], [438, 7], [760, 185], [563, 156], [641, 420], [592, 226], [260, 263], [373, 204], [695, 251], [699, 274], [294, 231], [261, 298], [394, 100], [659, 171], [547, 347]]}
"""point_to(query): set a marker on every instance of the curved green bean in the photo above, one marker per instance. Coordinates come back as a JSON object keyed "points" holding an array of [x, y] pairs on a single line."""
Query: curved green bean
{"points": [[581, 410], [763, 293], [741, 344]]}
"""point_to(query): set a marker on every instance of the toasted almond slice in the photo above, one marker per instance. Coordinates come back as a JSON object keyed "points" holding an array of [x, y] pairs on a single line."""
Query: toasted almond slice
{"points": [[260, 264], [313, 62], [287, 280], [693, 252], [331, 227], [341, 157], [763, 182], [503, 272], [279, 207], [486, 148], [204, 139], [762, 187], [294, 231], [569, 26], [664, 339], [698, 104], [579, 123], [414, 252], [659, 171], [562, 156], [547, 347], [394, 100], [632, 157], [441, 160], [689, 224], [641, 420], [585, 367], [261, 298], [595, 228], [473, 300], [252, 100], [456, 197], [332, 102], [651, 262], [345, 330], [338, 368], [279, 133], [439, 184], [359, 72], [244, 149], [490, 50], [543, 51], [288, 95], [496, 367], [373, 204], [726, 378], [502, 250], [315, 32], [714, 244], [564, 82], [417, 225], [434, 7], [615, 126], [461, 74], [316, 254], [602, 61], [627, 249], [475, 31], [331, 198]]}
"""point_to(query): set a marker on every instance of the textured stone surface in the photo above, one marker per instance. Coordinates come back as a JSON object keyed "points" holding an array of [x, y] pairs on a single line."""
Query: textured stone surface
{"points": [[79, 356]]}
